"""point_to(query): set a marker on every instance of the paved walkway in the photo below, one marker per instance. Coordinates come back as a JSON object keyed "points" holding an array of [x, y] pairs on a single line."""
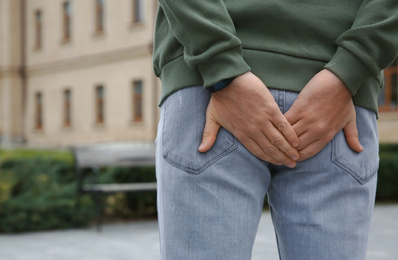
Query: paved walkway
{"points": [[139, 241]]}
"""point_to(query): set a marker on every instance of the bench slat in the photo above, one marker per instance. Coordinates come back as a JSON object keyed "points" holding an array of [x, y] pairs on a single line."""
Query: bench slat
{"points": [[123, 187]]}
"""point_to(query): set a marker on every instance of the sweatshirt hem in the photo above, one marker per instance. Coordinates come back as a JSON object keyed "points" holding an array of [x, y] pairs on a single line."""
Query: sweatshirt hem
{"points": [[276, 70]]}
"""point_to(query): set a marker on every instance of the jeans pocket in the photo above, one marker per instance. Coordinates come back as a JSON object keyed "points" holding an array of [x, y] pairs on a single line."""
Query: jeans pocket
{"points": [[183, 124], [364, 165]]}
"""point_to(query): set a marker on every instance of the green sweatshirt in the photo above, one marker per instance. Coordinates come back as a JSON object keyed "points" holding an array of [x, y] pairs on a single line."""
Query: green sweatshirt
{"points": [[283, 42]]}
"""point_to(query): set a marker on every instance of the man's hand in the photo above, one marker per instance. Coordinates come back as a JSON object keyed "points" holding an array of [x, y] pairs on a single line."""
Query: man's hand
{"points": [[321, 110], [247, 109]]}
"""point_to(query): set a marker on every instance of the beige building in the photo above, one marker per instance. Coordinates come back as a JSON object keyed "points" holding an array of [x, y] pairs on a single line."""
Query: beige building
{"points": [[77, 72], [74, 72], [388, 106]]}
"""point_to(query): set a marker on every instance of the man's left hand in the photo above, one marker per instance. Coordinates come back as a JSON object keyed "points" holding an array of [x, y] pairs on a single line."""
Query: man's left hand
{"points": [[322, 109]]}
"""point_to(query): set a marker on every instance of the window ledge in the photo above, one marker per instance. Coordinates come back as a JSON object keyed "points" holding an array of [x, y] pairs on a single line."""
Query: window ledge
{"points": [[38, 130], [37, 48], [67, 128], [99, 126], [137, 25], [134, 123], [66, 41], [99, 34]]}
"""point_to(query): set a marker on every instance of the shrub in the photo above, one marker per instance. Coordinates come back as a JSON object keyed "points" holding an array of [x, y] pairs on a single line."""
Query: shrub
{"points": [[388, 148], [387, 187], [39, 194], [129, 205], [38, 191]]}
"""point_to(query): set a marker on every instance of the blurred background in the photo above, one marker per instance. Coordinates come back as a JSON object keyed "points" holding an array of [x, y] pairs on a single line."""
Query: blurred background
{"points": [[76, 72], [72, 73], [79, 72]]}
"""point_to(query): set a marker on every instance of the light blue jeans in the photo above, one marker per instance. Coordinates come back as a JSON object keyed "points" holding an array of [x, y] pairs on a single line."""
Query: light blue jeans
{"points": [[209, 204]]}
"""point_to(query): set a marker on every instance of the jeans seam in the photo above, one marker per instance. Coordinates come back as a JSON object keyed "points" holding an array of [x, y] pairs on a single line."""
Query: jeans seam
{"points": [[276, 234], [207, 164]]}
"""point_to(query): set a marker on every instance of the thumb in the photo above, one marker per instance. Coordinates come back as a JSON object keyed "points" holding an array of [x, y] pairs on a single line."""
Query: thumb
{"points": [[351, 136], [209, 134]]}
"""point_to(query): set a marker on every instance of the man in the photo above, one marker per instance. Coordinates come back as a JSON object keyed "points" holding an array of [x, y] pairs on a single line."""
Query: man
{"points": [[281, 98]]}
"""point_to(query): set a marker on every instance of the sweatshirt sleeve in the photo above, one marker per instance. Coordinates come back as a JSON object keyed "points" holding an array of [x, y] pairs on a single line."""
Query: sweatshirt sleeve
{"points": [[369, 46], [207, 33]]}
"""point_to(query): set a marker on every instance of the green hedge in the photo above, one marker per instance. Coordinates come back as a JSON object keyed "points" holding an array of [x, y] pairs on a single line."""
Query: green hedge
{"points": [[38, 190], [39, 194], [389, 148], [387, 187], [129, 205]]}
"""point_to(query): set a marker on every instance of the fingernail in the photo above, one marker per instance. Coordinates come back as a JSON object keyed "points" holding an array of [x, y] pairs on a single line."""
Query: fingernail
{"points": [[294, 157], [291, 165], [295, 144]]}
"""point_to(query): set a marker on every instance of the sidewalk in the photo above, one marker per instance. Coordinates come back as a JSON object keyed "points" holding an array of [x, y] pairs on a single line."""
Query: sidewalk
{"points": [[139, 241]]}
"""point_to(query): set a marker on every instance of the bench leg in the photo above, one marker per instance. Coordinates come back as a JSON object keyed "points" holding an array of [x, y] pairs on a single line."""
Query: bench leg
{"points": [[97, 196]]}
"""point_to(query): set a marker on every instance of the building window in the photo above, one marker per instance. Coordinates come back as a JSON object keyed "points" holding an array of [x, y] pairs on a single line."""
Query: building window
{"points": [[99, 15], [67, 13], [388, 98], [38, 29], [38, 110], [99, 104], [67, 108], [138, 11], [137, 101]]}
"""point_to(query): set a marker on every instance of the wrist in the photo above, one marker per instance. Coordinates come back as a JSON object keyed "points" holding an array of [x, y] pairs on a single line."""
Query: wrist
{"points": [[340, 84]]}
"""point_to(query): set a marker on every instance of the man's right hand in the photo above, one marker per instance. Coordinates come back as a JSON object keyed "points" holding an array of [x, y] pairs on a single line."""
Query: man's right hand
{"points": [[247, 109]]}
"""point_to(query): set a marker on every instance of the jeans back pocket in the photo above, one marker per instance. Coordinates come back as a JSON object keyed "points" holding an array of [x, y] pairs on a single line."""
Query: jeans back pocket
{"points": [[183, 123], [362, 166]]}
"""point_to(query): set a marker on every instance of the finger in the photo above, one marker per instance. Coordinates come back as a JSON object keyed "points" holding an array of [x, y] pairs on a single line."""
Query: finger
{"points": [[266, 152], [351, 136], [287, 130], [312, 149], [284, 149], [254, 148], [300, 127], [272, 153], [209, 134], [306, 138], [291, 116]]}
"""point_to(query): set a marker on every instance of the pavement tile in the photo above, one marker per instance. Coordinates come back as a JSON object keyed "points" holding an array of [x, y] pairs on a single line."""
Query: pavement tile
{"points": [[139, 241]]}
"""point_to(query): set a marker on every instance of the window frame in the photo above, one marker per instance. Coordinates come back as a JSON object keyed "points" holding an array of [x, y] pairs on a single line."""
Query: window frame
{"points": [[67, 108], [38, 116], [67, 20], [137, 101], [388, 91], [100, 104], [137, 11], [99, 16], [38, 28]]}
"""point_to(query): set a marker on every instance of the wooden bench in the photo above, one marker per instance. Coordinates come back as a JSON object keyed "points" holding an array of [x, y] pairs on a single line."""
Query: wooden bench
{"points": [[94, 157]]}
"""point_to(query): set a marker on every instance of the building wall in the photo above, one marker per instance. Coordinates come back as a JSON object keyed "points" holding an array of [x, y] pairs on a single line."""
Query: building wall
{"points": [[116, 78], [388, 127], [113, 58], [11, 117], [119, 32], [388, 106]]}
